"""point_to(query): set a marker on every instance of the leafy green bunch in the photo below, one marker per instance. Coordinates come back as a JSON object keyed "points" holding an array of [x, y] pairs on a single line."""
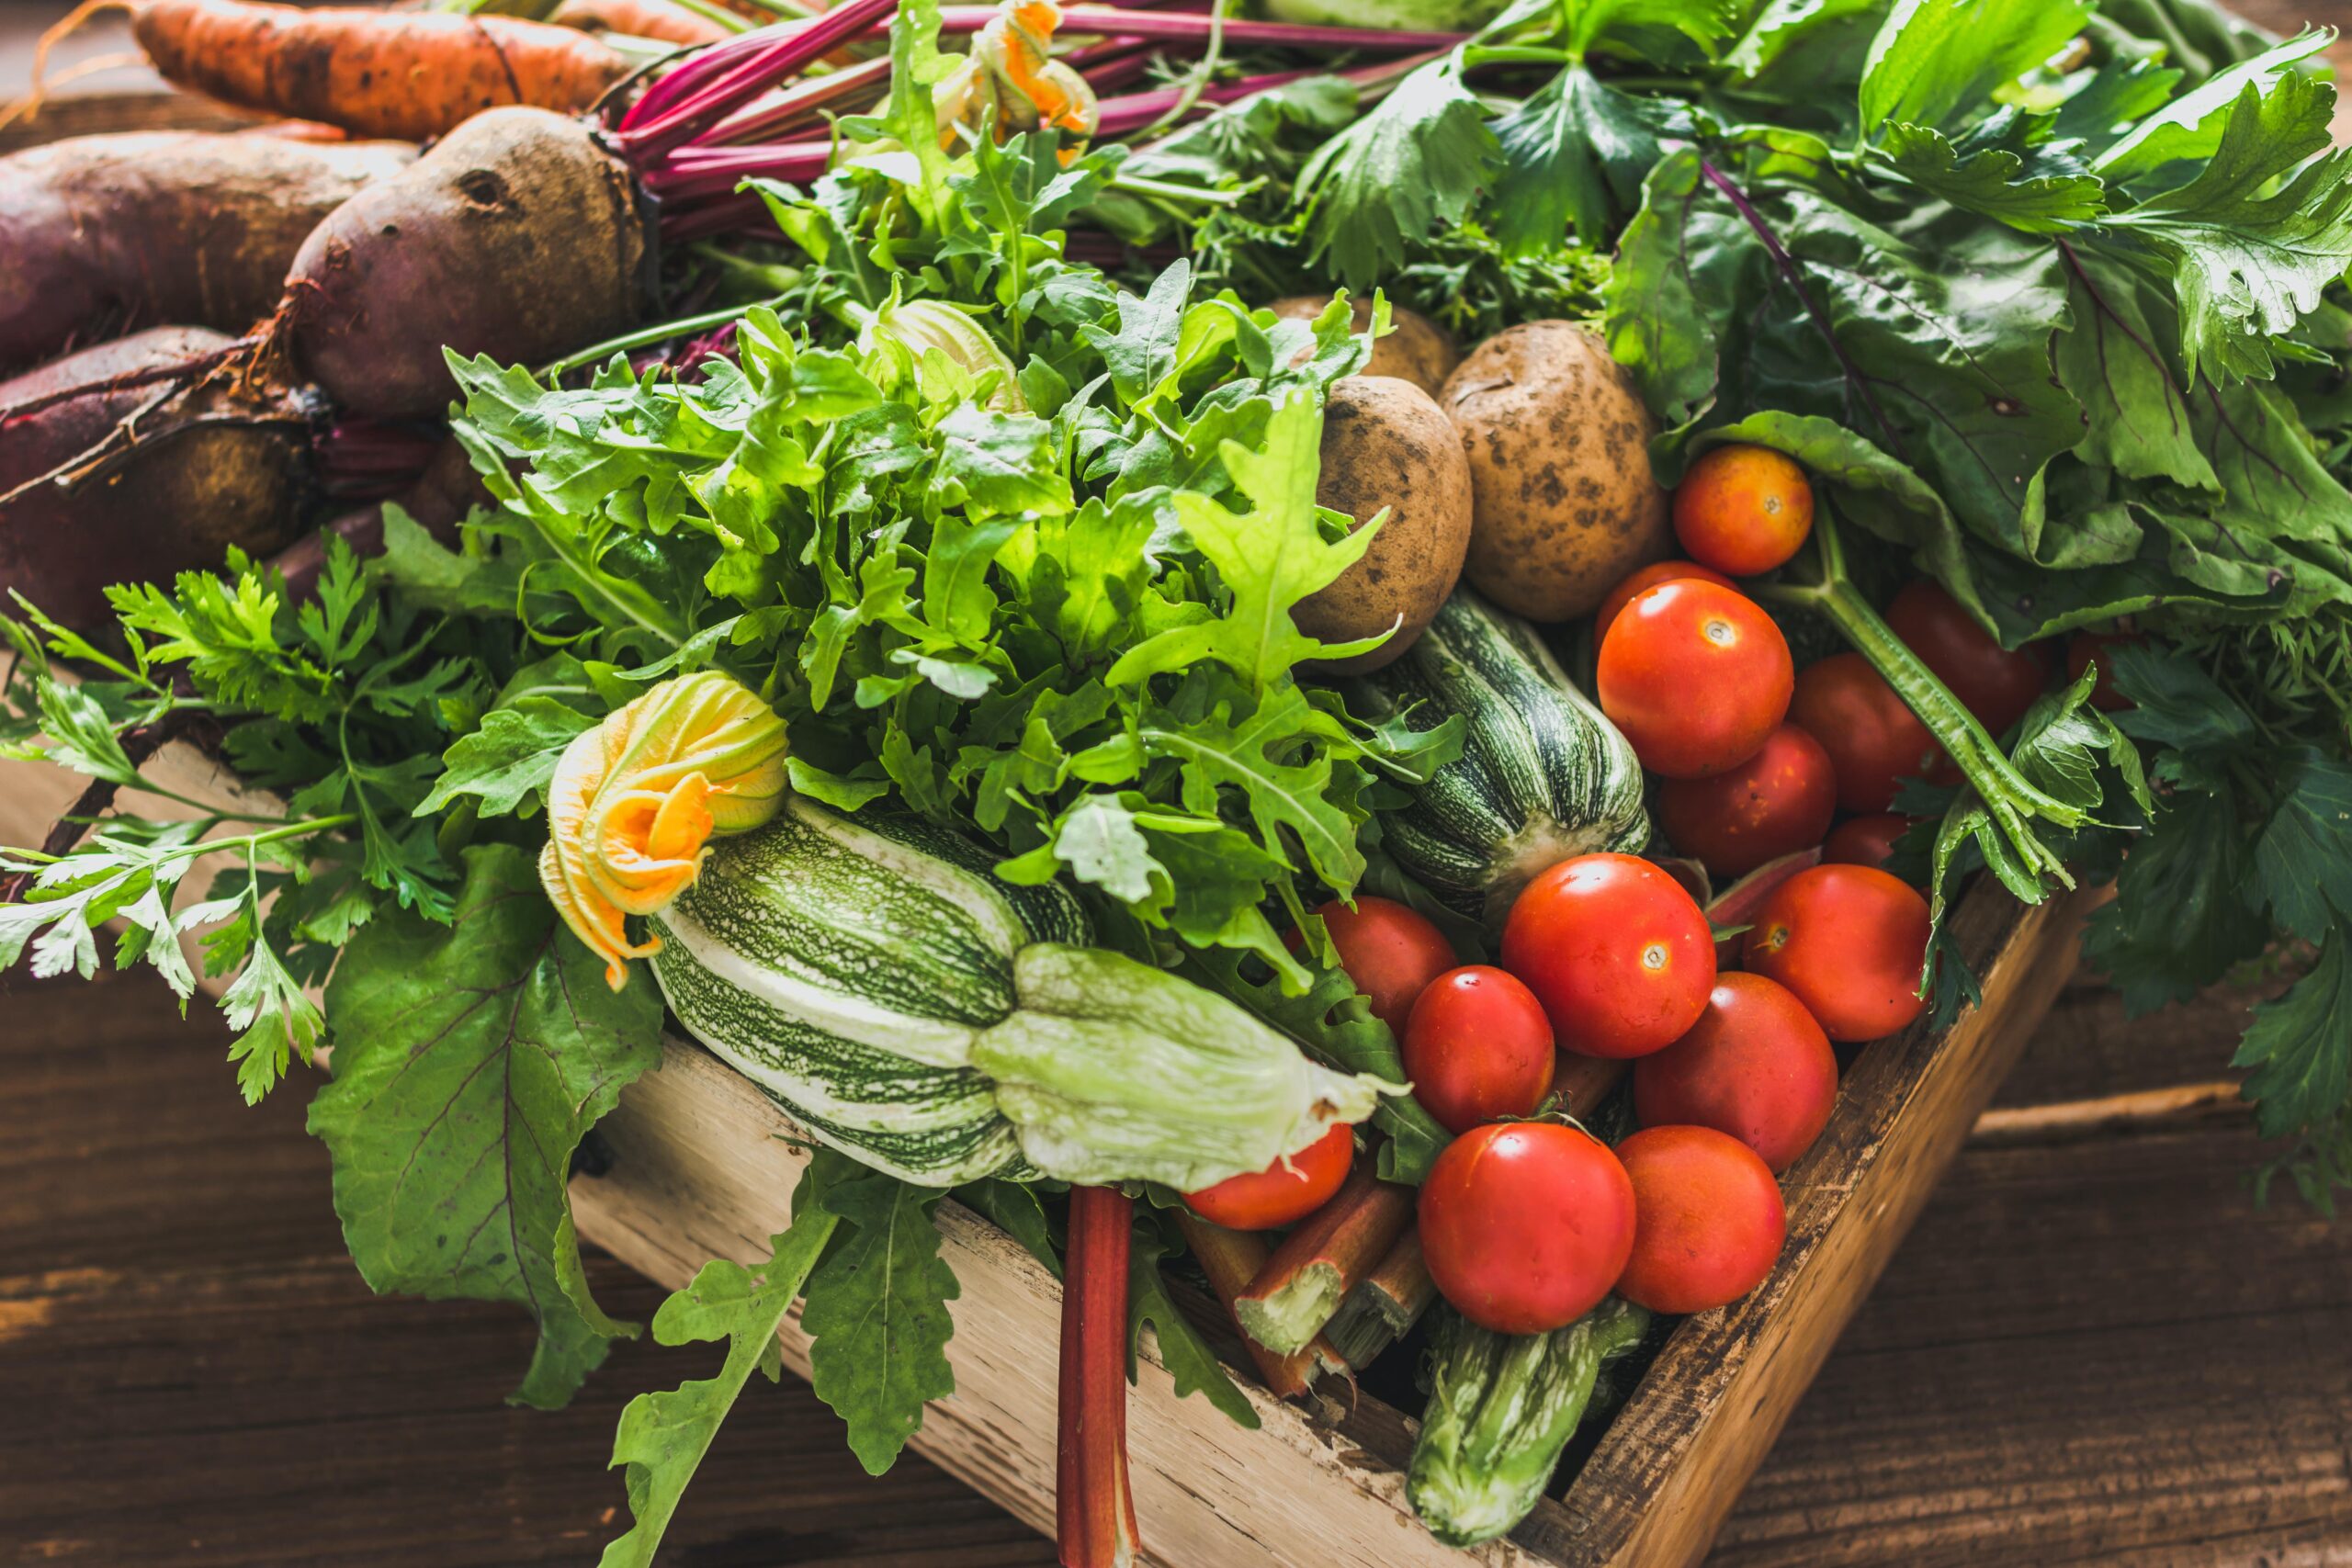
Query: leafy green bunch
{"points": [[1040, 590]]}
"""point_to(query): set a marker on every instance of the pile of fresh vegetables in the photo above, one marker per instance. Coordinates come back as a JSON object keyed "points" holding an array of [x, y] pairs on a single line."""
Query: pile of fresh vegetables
{"points": [[955, 553]]}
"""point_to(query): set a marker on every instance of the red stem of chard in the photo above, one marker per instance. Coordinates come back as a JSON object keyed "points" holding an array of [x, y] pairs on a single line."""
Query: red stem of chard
{"points": [[798, 105], [729, 76], [1181, 26], [1094, 1510]]}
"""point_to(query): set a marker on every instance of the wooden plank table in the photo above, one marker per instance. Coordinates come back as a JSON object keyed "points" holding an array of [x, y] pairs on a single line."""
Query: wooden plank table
{"points": [[2092, 1348]]}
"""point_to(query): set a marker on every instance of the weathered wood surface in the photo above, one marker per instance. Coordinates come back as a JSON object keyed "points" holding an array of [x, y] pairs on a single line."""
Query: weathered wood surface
{"points": [[2092, 1349]]}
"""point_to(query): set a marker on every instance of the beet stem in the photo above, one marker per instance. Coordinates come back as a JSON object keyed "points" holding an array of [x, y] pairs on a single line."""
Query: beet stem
{"points": [[753, 64]]}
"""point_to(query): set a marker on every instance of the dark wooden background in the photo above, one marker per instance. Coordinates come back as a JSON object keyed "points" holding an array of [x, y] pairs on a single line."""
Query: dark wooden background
{"points": [[2094, 1348]]}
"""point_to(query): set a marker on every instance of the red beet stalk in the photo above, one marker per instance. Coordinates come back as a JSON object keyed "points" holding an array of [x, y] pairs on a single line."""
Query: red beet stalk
{"points": [[1187, 28], [800, 104], [1325, 1258], [1094, 1511], [729, 76]]}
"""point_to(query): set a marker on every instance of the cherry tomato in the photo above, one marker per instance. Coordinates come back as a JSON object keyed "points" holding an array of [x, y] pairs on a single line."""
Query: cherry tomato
{"points": [[1477, 1048], [1389, 951], [1525, 1225], [1865, 841], [1650, 576], [1755, 1065], [1743, 510], [1709, 1221], [1284, 1193], [1995, 684], [1778, 801], [1617, 951], [1849, 939], [1696, 675], [2084, 647], [1873, 738]]}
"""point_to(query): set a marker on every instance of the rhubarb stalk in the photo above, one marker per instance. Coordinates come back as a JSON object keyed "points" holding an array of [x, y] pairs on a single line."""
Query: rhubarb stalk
{"points": [[1094, 1510], [1386, 1305], [1318, 1263], [1232, 1259]]}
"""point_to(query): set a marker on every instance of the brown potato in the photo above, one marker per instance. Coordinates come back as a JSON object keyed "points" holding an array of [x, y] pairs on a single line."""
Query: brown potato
{"points": [[1558, 441], [1415, 350], [1386, 444]]}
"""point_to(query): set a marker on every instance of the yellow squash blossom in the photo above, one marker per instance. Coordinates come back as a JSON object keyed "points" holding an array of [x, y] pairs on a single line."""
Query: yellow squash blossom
{"points": [[635, 801], [1035, 89]]}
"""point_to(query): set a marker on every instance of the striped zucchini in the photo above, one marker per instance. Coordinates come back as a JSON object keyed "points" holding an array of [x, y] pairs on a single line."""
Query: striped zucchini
{"points": [[846, 967], [900, 1003], [1542, 776]]}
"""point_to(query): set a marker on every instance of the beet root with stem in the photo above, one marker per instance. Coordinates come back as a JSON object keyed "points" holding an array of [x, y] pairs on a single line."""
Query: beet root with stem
{"points": [[518, 237], [126, 463]]}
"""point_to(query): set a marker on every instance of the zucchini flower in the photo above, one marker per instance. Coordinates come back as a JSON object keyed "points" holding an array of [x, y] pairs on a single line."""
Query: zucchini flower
{"points": [[635, 802], [1032, 89], [907, 331]]}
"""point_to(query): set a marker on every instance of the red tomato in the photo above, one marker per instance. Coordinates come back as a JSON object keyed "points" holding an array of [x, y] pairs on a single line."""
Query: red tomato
{"points": [[1284, 1193], [1696, 675], [1865, 841], [1709, 1221], [2084, 647], [1743, 510], [1525, 1225], [1849, 939], [1479, 1048], [1389, 951], [1873, 736], [1618, 953], [1778, 801], [1650, 576], [1755, 1066], [1995, 684]]}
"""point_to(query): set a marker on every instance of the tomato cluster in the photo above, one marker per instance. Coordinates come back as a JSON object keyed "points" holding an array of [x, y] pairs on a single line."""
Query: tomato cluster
{"points": [[1527, 1221]]}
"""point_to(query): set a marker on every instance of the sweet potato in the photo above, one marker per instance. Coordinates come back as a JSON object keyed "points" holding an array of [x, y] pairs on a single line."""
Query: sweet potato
{"points": [[101, 234], [106, 478], [412, 75], [517, 237]]}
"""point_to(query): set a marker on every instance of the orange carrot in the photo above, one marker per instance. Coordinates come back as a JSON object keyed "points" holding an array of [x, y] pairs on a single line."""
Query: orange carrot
{"points": [[658, 19], [409, 74]]}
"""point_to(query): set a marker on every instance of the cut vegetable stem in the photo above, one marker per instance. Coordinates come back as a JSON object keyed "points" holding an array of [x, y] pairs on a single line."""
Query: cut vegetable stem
{"points": [[1094, 1508], [1318, 1264], [1232, 1259], [1383, 1307]]}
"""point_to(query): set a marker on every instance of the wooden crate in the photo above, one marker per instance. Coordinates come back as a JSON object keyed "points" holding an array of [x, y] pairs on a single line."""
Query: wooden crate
{"points": [[701, 1168]]}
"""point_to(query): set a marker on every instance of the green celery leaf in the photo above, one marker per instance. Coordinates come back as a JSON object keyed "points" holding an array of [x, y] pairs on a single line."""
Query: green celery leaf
{"points": [[2304, 856], [1933, 58], [2255, 235], [469, 1059], [1417, 163], [1987, 180], [1573, 154], [2190, 127], [1187, 1356], [508, 762], [663, 1435], [2300, 1047], [877, 1316], [2181, 915]]}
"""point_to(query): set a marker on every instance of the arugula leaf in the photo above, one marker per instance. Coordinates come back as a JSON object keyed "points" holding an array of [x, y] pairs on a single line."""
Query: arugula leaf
{"points": [[663, 1435], [469, 1060], [1267, 559], [877, 1315], [1190, 1361]]}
